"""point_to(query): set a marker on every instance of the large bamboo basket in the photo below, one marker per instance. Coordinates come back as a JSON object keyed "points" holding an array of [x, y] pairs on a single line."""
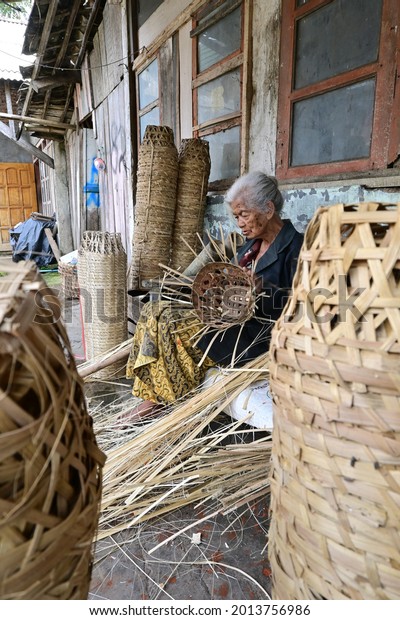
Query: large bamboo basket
{"points": [[102, 269], [335, 378], [157, 178], [50, 465], [194, 170]]}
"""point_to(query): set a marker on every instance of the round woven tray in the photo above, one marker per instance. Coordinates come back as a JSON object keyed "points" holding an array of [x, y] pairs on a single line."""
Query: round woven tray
{"points": [[194, 170], [102, 268], [50, 482], [335, 378], [157, 178], [223, 295]]}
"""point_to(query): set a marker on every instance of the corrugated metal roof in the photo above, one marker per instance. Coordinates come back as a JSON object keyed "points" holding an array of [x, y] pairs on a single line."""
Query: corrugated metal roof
{"points": [[11, 42]]}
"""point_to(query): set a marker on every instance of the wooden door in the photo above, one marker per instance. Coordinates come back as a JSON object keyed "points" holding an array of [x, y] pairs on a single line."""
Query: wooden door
{"points": [[17, 198]]}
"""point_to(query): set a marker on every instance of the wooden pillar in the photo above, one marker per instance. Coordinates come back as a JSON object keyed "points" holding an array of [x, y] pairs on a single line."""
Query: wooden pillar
{"points": [[62, 206]]}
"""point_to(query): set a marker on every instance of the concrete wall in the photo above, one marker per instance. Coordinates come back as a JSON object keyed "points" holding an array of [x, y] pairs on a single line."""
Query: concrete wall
{"points": [[10, 151]]}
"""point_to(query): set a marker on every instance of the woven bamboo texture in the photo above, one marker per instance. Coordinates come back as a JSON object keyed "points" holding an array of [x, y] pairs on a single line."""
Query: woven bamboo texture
{"points": [[102, 268], [335, 377], [69, 280], [157, 178], [50, 465], [194, 170], [223, 295]]}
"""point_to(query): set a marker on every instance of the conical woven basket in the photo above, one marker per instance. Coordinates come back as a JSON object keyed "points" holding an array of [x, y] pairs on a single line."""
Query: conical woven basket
{"points": [[194, 170], [335, 378], [157, 178], [50, 465], [102, 269]]}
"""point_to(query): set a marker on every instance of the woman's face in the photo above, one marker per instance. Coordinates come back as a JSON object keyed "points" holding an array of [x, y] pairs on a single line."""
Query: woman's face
{"points": [[253, 223]]}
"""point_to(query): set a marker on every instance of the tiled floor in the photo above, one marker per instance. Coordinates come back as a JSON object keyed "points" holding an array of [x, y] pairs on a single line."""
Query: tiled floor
{"points": [[223, 558]]}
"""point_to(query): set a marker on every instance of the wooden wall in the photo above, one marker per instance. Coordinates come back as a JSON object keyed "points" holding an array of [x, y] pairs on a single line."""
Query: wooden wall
{"points": [[102, 107]]}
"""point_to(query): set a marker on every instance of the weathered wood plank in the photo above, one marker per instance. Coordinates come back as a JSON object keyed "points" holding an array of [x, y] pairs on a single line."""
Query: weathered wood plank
{"points": [[36, 121]]}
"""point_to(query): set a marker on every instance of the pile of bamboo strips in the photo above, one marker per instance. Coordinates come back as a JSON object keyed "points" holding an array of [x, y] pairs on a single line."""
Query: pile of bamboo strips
{"points": [[179, 459]]}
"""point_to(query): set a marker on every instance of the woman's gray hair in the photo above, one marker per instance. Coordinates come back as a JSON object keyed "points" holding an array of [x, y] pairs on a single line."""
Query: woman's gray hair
{"points": [[256, 189]]}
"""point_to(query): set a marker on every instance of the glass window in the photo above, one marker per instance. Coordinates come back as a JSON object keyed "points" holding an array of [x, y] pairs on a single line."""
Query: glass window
{"points": [[219, 40], [219, 97], [224, 153], [148, 97], [218, 93], [148, 85], [337, 110], [151, 118], [334, 126], [339, 37], [145, 8]]}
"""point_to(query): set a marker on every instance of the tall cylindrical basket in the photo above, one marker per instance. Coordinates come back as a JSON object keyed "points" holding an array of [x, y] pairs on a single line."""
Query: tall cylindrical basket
{"points": [[102, 269], [335, 378], [50, 465], [157, 177], [194, 170]]}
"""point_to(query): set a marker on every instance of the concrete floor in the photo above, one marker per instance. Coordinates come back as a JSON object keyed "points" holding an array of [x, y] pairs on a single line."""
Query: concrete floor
{"points": [[226, 560]]}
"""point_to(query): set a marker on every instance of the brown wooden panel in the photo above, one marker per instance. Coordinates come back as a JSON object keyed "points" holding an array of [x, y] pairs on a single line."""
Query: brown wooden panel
{"points": [[17, 215], [11, 175], [4, 217], [17, 197], [14, 196], [24, 177]]}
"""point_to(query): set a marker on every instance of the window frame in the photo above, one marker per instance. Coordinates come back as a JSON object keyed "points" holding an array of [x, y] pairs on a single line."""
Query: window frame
{"points": [[153, 104], [217, 10], [385, 125]]}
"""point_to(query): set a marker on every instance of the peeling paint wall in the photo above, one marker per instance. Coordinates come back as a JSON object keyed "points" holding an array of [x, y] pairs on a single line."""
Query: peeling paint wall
{"points": [[301, 204]]}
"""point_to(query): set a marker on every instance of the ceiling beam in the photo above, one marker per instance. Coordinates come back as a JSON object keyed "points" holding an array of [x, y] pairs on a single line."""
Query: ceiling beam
{"points": [[36, 121], [63, 49], [60, 79], [44, 39]]}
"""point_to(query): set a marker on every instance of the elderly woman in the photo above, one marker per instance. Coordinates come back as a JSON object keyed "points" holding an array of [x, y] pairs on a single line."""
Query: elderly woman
{"points": [[163, 362]]}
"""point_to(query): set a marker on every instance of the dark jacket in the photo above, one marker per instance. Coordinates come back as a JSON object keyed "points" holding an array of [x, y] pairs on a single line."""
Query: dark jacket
{"points": [[276, 268]]}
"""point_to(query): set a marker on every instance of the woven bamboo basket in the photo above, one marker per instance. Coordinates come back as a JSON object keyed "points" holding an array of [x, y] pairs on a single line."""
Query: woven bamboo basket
{"points": [[335, 378], [102, 268], [223, 295], [157, 178], [50, 465], [194, 170], [69, 280]]}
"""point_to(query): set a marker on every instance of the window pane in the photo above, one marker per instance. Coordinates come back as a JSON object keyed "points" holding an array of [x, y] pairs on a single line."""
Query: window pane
{"points": [[339, 37], [145, 8], [219, 40], [224, 153], [219, 97], [335, 126], [148, 85], [151, 118]]}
